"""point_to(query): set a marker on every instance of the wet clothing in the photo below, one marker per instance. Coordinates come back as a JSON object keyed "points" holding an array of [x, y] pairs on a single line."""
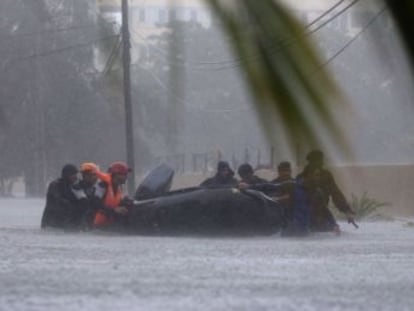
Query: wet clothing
{"points": [[319, 195], [91, 196], [288, 197], [62, 208], [329, 189], [105, 215], [218, 181], [321, 218], [297, 216], [286, 186], [253, 180], [279, 180]]}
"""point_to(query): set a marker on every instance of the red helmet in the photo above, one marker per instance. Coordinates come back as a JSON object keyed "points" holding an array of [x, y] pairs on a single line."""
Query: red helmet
{"points": [[89, 167], [119, 167]]}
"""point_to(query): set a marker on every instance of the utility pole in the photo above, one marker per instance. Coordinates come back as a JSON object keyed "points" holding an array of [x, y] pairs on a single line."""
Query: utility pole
{"points": [[129, 128]]}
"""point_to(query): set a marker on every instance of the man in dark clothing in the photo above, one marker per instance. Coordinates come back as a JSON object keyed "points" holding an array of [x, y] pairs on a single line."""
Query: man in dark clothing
{"points": [[223, 178], [286, 192], [90, 191], [285, 181], [247, 176], [322, 187], [284, 171], [61, 202]]}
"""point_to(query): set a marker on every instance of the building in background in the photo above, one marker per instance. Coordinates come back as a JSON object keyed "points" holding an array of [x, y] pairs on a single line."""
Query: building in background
{"points": [[150, 14], [158, 13]]}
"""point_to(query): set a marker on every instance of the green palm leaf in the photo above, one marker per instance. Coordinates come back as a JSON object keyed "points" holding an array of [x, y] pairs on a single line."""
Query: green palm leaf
{"points": [[403, 13], [283, 71]]}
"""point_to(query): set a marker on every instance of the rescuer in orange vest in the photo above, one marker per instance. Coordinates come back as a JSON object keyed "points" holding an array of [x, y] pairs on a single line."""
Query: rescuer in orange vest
{"points": [[90, 192], [114, 200]]}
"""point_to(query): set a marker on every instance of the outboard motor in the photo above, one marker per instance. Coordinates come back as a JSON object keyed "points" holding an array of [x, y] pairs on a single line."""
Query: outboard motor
{"points": [[157, 182]]}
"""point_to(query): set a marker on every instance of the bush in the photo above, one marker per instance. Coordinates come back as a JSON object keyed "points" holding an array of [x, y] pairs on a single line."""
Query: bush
{"points": [[364, 206]]}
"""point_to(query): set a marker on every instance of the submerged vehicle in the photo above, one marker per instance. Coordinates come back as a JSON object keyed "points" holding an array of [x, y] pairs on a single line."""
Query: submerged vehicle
{"points": [[211, 211]]}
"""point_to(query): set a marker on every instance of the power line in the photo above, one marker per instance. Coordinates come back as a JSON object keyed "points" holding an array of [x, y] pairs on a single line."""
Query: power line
{"points": [[352, 40], [52, 31], [332, 58], [182, 100], [285, 42], [79, 27], [67, 48], [235, 63], [324, 14], [336, 15]]}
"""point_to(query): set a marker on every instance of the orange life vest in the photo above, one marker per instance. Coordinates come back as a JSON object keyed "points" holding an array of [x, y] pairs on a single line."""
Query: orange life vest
{"points": [[111, 200]]}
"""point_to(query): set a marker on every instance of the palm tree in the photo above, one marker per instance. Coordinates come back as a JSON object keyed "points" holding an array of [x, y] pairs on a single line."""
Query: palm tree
{"points": [[403, 13], [284, 71]]}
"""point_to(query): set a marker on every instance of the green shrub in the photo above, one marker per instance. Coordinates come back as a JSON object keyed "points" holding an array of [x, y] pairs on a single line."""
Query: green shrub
{"points": [[364, 206]]}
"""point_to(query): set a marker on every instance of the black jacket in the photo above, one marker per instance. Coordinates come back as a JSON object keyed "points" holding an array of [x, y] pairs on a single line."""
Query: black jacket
{"points": [[329, 190], [62, 206], [254, 180], [219, 182]]}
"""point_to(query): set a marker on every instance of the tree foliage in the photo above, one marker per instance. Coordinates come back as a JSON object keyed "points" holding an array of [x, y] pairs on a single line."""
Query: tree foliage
{"points": [[52, 96]]}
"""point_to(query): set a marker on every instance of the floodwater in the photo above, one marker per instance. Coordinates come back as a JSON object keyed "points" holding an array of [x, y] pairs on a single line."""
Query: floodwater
{"points": [[371, 268]]}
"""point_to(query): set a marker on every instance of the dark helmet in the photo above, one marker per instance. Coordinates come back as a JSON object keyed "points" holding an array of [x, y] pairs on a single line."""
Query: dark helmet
{"points": [[245, 169], [68, 170], [222, 165], [315, 156]]}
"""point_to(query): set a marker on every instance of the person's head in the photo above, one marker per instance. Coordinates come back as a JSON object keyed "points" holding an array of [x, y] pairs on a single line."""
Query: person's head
{"points": [[284, 170], [69, 173], [224, 170], [245, 171], [119, 171], [89, 172], [315, 158]]}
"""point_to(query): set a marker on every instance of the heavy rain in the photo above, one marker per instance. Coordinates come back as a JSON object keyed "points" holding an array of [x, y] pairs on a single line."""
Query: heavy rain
{"points": [[145, 104]]}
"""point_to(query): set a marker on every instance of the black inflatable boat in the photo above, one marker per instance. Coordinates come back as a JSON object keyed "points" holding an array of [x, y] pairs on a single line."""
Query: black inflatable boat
{"points": [[211, 211]]}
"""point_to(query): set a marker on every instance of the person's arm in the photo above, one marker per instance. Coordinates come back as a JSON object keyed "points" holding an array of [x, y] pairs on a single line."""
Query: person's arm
{"points": [[277, 189], [338, 198]]}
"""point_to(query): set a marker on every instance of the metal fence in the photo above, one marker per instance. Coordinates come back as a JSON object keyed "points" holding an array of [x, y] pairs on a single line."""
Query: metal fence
{"points": [[206, 162]]}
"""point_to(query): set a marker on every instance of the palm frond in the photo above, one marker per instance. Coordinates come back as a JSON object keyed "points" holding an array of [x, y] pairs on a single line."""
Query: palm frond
{"points": [[403, 13], [283, 71]]}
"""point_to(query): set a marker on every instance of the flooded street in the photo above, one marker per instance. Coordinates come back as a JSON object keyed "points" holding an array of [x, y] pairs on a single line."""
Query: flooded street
{"points": [[371, 268]]}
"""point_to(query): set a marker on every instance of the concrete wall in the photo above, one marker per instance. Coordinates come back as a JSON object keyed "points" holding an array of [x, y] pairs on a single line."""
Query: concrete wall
{"points": [[388, 183], [384, 183]]}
